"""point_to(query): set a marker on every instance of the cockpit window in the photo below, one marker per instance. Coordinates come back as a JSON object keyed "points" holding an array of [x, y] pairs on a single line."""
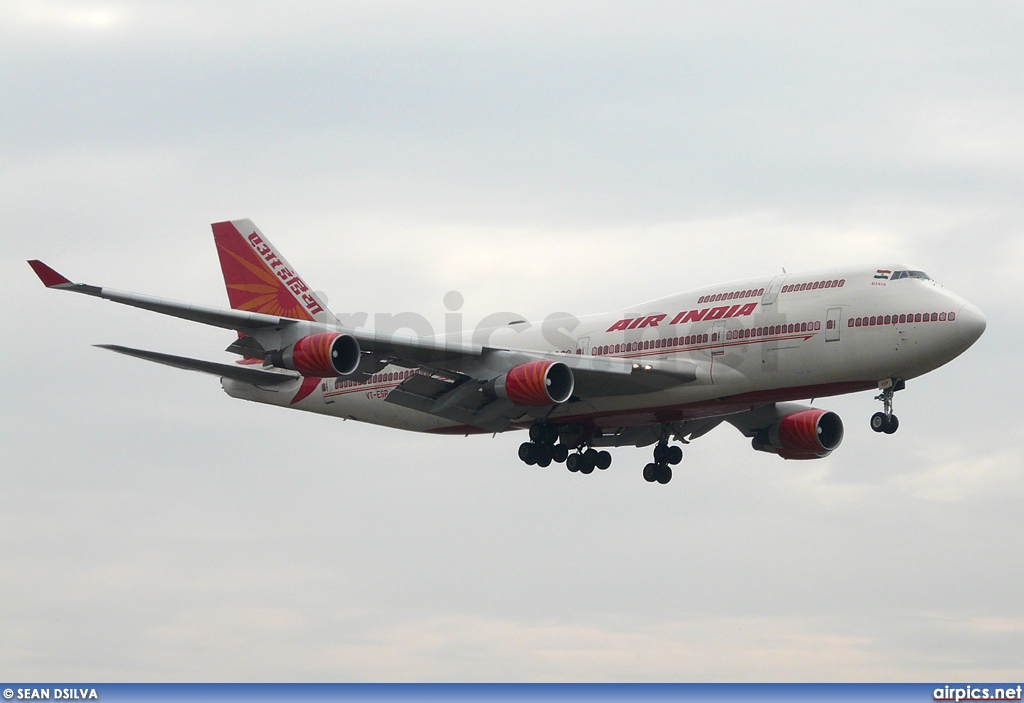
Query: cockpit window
{"points": [[896, 275]]}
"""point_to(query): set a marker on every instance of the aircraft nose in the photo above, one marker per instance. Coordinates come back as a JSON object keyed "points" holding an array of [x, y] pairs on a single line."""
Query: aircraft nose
{"points": [[970, 323]]}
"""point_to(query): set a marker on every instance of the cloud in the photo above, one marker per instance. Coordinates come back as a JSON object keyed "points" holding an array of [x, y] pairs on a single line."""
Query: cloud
{"points": [[72, 16], [964, 478]]}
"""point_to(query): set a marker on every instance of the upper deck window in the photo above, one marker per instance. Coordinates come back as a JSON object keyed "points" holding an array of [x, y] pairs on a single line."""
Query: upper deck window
{"points": [[896, 275]]}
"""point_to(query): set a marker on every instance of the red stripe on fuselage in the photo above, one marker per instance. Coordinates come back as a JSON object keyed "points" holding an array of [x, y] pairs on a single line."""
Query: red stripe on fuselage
{"points": [[686, 349]]}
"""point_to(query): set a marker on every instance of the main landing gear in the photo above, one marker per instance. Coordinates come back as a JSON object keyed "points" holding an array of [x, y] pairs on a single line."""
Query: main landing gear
{"points": [[586, 460], [886, 421], [665, 457], [544, 447], [541, 449]]}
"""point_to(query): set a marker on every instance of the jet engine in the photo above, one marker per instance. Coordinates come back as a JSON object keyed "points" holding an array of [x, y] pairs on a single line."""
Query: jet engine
{"points": [[323, 355], [806, 434], [535, 384]]}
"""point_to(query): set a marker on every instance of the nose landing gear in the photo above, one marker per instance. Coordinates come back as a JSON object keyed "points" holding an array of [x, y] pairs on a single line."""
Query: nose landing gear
{"points": [[886, 421]]}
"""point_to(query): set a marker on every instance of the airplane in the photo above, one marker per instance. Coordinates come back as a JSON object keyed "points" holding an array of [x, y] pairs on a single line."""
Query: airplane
{"points": [[668, 370]]}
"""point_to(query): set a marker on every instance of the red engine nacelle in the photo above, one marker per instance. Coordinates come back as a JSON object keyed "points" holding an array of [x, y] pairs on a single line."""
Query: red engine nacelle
{"points": [[323, 355], [536, 384], [807, 434]]}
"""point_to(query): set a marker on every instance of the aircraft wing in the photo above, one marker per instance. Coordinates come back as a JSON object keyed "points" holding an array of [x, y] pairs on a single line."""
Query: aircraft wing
{"points": [[207, 315], [460, 369], [460, 395]]}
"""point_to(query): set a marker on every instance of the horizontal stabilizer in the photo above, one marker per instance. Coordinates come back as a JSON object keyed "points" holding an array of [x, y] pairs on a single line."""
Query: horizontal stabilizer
{"points": [[233, 371]]}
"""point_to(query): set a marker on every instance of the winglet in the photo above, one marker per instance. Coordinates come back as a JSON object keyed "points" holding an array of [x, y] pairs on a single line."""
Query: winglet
{"points": [[47, 275]]}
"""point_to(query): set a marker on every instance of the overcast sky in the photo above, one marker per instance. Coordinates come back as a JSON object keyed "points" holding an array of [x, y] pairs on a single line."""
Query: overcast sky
{"points": [[536, 157]]}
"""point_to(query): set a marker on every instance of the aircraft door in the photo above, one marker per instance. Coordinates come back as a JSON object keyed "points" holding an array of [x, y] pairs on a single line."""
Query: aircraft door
{"points": [[718, 338], [772, 291], [583, 346], [832, 324]]}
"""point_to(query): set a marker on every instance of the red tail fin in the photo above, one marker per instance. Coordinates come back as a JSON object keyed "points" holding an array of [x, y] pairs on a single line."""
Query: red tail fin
{"points": [[259, 279]]}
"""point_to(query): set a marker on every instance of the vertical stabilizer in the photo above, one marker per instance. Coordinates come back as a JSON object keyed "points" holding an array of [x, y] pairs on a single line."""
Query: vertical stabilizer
{"points": [[259, 279]]}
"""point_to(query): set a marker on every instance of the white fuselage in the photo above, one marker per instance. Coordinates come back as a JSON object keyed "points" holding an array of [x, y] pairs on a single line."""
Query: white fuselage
{"points": [[754, 342]]}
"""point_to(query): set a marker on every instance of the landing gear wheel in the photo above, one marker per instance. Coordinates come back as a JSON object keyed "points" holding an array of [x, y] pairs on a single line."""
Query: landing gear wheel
{"points": [[588, 460], [538, 432], [559, 453], [604, 460], [661, 453], [664, 474], [879, 422], [526, 453], [651, 473], [550, 434], [542, 455], [675, 455], [894, 424], [573, 462]]}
